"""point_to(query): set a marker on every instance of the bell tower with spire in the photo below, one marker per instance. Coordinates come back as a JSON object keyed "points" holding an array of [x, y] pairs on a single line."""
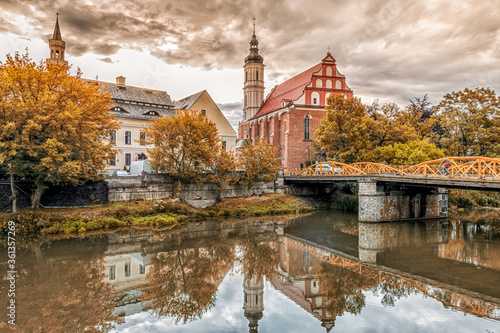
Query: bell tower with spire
{"points": [[253, 88], [57, 47]]}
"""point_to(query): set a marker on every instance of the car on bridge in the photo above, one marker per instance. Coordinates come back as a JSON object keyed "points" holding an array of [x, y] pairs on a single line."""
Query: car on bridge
{"points": [[327, 168]]}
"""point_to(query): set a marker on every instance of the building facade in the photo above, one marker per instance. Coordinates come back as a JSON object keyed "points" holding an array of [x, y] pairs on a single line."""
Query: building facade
{"points": [[290, 114], [136, 106], [203, 102]]}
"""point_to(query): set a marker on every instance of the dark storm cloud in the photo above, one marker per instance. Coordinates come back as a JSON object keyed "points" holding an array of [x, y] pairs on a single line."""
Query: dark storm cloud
{"points": [[395, 49]]}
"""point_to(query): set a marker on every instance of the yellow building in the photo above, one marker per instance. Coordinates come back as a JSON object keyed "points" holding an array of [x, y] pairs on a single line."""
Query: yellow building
{"points": [[202, 101]]}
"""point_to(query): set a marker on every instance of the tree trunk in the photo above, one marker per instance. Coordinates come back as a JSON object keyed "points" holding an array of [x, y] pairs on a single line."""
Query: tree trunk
{"points": [[13, 191], [37, 196], [178, 189]]}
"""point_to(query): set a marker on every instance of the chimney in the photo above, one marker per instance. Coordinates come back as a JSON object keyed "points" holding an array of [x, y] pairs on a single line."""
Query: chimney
{"points": [[120, 80]]}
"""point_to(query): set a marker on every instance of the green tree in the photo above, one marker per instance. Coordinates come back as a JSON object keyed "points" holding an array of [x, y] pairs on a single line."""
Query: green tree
{"points": [[470, 123], [344, 131], [185, 146], [259, 162], [408, 153], [53, 125]]}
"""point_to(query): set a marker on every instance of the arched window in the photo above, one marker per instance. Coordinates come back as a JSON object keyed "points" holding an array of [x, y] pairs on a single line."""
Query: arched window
{"points": [[257, 74], [315, 98], [245, 105], [326, 98], [329, 84], [328, 71], [338, 84], [246, 76], [306, 128], [319, 83]]}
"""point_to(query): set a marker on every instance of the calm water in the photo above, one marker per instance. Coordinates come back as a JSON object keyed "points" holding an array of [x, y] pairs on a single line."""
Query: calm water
{"points": [[320, 273]]}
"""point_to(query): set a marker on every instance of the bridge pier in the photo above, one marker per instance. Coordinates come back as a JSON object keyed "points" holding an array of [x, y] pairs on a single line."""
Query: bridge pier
{"points": [[381, 202]]}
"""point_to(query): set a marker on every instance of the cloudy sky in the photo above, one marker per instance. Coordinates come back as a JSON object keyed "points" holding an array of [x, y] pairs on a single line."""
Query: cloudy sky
{"points": [[388, 50]]}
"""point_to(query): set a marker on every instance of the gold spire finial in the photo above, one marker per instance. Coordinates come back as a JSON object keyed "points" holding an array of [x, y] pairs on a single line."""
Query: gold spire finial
{"points": [[253, 19]]}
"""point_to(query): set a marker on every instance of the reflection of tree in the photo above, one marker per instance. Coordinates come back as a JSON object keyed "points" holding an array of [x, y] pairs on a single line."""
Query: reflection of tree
{"points": [[63, 296], [342, 290], [259, 260], [182, 283]]}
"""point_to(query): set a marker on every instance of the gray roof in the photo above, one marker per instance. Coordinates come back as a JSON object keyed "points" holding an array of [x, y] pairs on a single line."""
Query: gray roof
{"points": [[138, 103], [188, 102]]}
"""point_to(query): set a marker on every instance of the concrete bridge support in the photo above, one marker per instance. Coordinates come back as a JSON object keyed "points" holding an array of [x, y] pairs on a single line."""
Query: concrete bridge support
{"points": [[381, 202]]}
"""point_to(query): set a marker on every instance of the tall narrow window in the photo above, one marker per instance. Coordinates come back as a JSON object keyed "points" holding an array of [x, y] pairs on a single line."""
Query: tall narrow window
{"points": [[257, 74], [204, 112], [142, 138], [306, 128], [224, 145], [142, 269], [128, 159], [128, 137], [112, 159], [128, 269], [112, 136], [111, 272]]}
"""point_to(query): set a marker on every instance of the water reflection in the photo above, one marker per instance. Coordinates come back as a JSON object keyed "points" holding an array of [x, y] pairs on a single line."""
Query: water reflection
{"points": [[327, 265]]}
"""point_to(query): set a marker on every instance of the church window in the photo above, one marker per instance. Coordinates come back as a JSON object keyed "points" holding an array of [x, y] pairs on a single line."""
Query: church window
{"points": [[306, 128], [326, 97], [315, 98], [62, 54], [257, 74], [319, 83], [246, 76], [57, 54], [328, 71], [329, 84], [245, 104], [338, 84]]}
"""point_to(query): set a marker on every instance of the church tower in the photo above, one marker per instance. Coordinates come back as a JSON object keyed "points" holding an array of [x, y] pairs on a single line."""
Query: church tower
{"points": [[57, 47], [253, 88], [253, 302]]}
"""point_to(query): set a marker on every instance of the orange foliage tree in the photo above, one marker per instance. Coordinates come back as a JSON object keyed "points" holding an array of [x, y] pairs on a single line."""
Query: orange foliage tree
{"points": [[53, 126], [186, 146], [259, 163]]}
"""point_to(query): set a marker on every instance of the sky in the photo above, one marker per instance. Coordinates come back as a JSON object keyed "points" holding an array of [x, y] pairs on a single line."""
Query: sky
{"points": [[391, 50]]}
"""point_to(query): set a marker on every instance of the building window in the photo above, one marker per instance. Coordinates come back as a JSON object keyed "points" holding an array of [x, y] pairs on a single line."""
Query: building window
{"points": [[142, 269], [128, 137], [112, 159], [204, 112], [257, 74], [224, 145], [128, 159], [111, 272], [142, 138], [128, 269], [112, 137], [306, 128]]}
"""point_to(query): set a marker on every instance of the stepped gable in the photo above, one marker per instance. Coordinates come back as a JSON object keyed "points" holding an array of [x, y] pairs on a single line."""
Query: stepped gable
{"points": [[289, 90]]}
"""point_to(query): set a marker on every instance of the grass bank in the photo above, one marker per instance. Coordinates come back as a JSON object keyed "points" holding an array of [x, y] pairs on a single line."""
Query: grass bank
{"points": [[159, 214]]}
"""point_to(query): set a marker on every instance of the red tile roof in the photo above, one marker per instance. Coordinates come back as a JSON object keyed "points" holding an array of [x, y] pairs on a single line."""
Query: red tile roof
{"points": [[289, 90]]}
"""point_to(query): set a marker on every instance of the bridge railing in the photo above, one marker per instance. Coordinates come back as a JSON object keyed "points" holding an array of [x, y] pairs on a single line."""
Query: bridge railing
{"points": [[473, 167]]}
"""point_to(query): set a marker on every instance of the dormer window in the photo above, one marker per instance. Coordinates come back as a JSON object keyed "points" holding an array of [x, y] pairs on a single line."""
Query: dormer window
{"points": [[119, 109], [151, 113]]}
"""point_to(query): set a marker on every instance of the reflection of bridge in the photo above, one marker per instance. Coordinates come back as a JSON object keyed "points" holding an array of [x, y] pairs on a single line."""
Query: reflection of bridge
{"points": [[465, 172], [458, 300]]}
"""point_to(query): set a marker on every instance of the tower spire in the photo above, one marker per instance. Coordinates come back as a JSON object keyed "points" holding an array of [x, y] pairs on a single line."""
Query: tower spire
{"points": [[57, 46]]}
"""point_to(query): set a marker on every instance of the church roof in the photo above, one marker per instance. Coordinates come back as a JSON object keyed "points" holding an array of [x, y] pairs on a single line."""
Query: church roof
{"points": [[289, 90]]}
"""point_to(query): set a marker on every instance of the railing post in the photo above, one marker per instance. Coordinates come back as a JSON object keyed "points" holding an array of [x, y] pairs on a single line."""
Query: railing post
{"points": [[479, 168]]}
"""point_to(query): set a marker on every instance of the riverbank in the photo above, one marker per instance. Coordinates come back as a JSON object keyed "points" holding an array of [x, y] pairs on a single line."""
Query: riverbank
{"points": [[142, 214]]}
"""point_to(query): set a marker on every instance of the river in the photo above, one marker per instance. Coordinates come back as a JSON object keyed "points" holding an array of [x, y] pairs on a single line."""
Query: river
{"points": [[323, 272]]}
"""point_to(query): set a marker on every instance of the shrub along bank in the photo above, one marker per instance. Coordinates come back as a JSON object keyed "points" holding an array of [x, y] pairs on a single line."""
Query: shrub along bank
{"points": [[160, 214]]}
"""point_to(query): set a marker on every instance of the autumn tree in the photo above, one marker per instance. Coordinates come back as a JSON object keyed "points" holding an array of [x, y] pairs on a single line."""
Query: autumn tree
{"points": [[344, 131], [259, 162], [470, 122], [408, 153], [186, 146], [53, 125]]}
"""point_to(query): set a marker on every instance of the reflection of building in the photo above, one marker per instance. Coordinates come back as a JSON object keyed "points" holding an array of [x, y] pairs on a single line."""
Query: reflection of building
{"points": [[289, 116], [253, 301]]}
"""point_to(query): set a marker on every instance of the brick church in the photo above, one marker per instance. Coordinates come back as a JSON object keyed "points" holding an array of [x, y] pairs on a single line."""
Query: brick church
{"points": [[293, 110]]}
